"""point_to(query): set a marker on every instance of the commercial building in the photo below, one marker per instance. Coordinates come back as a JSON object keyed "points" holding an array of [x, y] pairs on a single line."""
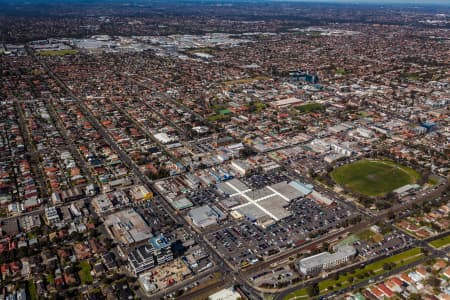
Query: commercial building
{"points": [[403, 190], [128, 227], [256, 205], [225, 294], [162, 251], [205, 216], [102, 204], [364, 132], [141, 259], [325, 260], [140, 193], [286, 102], [241, 166], [51, 215], [156, 251]]}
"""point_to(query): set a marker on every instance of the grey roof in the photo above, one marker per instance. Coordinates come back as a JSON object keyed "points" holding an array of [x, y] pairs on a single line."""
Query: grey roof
{"points": [[258, 194], [236, 183], [276, 206], [305, 189], [288, 191], [142, 258], [326, 257], [233, 201], [252, 211], [205, 215], [225, 188]]}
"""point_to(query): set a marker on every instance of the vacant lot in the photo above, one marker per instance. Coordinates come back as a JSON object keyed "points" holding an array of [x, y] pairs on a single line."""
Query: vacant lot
{"points": [[374, 177]]}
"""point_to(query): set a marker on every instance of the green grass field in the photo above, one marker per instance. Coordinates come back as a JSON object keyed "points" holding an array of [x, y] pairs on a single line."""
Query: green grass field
{"points": [[341, 71], [374, 177], [366, 235], [442, 242], [364, 273], [85, 272], [58, 52], [310, 107], [413, 77]]}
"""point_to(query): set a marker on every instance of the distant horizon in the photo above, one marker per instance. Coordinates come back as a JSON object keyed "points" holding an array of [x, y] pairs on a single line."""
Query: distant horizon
{"points": [[382, 2]]}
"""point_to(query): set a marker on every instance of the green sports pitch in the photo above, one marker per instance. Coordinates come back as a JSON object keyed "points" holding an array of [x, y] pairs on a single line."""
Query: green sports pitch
{"points": [[374, 177]]}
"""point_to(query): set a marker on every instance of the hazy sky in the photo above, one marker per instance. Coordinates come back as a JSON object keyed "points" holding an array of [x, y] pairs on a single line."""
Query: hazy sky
{"points": [[382, 2], [377, 1]]}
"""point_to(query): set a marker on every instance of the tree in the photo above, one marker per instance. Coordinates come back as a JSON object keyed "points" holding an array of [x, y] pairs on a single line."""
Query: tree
{"points": [[325, 246], [434, 281], [415, 297], [313, 290], [246, 152], [336, 276]]}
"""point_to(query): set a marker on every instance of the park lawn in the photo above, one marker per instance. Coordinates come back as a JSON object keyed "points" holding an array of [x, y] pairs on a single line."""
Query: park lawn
{"points": [[374, 177], [341, 71], [442, 242], [310, 107], [369, 235], [364, 273], [298, 293], [413, 77], [215, 118], [85, 272], [58, 52]]}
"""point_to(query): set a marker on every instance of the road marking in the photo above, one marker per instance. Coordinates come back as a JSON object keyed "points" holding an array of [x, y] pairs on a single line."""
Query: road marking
{"points": [[276, 192], [251, 201]]}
